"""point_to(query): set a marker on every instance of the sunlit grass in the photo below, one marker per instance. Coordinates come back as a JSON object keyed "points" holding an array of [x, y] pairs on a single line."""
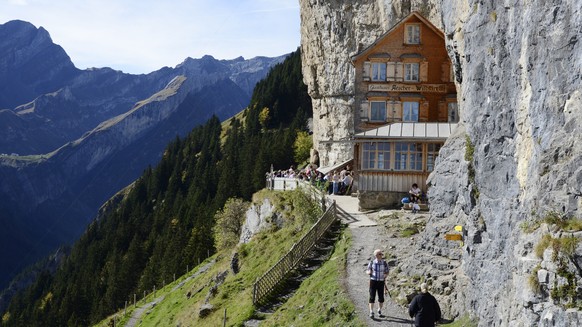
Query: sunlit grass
{"points": [[235, 294], [463, 321]]}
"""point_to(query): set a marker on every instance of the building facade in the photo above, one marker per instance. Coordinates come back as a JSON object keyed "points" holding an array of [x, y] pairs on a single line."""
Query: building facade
{"points": [[406, 108]]}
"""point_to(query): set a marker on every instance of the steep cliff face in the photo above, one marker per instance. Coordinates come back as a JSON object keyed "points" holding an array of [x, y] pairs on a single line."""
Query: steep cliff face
{"points": [[514, 160], [518, 65]]}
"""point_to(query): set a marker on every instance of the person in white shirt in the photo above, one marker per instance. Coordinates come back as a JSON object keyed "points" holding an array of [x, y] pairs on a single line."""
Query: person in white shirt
{"points": [[346, 182], [378, 271], [415, 193]]}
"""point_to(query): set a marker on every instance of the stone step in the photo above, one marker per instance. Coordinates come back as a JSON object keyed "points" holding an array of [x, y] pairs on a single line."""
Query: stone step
{"points": [[423, 206]]}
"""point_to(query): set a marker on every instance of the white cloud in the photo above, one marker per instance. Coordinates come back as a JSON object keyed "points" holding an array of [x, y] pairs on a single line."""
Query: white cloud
{"points": [[140, 36]]}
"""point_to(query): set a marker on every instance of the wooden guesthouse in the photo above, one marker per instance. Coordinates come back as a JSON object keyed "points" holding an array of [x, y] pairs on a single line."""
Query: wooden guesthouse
{"points": [[406, 108]]}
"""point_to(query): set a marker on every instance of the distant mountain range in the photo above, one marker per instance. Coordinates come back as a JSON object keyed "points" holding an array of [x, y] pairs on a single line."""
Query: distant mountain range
{"points": [[70, 138]]}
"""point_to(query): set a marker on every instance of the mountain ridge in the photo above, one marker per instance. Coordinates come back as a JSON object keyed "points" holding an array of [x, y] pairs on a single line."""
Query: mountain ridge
{"points": [[91, 134]]}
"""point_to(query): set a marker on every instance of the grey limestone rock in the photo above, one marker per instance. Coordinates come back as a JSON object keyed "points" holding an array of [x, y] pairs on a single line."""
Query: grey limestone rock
{"points": [[517, 66]]}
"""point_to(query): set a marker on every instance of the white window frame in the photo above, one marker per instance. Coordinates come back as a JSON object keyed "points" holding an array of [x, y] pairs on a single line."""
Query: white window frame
{"points": [[412, 72], [373, 108], [408, 156], [412, 33], [376, 155], [409, 109], [378, 72], [399, 156]]}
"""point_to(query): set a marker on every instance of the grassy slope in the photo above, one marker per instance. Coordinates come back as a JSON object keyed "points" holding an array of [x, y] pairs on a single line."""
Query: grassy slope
{"points": [[320, 300]]}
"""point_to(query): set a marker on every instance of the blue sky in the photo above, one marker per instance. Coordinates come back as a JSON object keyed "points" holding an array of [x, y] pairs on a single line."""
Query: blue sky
{"points": [[140, 36]]}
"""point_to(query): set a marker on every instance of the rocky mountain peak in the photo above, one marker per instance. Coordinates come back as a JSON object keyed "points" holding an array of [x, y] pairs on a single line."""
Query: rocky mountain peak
{"points": [[30, 63], [69, 138]]}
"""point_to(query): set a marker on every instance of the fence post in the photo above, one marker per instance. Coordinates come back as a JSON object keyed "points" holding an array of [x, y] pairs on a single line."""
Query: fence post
{"points": [[255, 291], [134, 298], [125, 308], [224, 323]]}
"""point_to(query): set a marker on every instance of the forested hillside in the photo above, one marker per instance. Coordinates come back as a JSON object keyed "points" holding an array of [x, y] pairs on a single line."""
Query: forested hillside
{"points": [[163, 222]]}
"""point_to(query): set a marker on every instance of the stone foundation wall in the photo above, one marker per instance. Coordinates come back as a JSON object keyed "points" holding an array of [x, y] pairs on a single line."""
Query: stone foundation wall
{"points": [[375, 200]]}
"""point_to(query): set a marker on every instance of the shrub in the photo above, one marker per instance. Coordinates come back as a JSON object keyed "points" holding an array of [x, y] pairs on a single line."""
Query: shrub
{"points": [[229, 223], [302, 146], [543, 245], [533, 281]]}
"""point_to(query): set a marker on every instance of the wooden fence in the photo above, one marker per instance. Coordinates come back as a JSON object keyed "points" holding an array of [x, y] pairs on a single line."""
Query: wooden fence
{"points": [[267, 283]]}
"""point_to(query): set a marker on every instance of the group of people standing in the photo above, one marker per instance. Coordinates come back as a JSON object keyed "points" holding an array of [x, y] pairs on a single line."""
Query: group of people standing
{"points": [[424, 308], [337, 182]]}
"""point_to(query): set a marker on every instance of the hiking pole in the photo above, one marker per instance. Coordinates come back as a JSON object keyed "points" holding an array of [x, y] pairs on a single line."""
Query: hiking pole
{"points": [[386, 292]]}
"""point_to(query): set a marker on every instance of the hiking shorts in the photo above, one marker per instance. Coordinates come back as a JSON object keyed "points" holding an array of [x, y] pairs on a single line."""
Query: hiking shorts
{"points": [[376, 286]]}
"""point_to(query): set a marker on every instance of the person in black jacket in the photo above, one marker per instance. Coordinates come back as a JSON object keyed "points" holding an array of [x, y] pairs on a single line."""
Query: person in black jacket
{"points": [[424, 308]]}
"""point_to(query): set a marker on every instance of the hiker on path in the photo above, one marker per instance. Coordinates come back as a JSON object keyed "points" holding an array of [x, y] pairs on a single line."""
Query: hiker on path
{"points": [[424, 308], [378, 271]]}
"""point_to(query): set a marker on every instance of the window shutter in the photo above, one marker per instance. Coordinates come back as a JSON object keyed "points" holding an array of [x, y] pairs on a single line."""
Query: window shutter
{"points": [[399, 74], [364, 109], [396, 111], [443, 114], [367, 67], [446, 72], [424, 71], [423, 114], [391, 71]]}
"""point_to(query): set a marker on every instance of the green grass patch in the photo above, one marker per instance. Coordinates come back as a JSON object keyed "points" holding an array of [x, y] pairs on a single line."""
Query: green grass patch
{"points": [[563, 253], [565, 223], [543, 245], [533, 280], [409, 231], [463, 321], [530, 226], [554, 218], [565, 245], [321, 299]]}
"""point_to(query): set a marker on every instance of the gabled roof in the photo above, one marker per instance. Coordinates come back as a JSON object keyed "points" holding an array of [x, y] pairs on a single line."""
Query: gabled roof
{"points": [[409, 131], [396, 26]]}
